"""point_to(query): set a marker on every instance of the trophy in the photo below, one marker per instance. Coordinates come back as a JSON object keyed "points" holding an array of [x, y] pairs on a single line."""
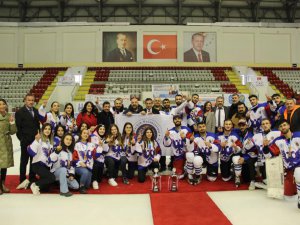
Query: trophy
{"points": [[173, 181], [156, 181]]}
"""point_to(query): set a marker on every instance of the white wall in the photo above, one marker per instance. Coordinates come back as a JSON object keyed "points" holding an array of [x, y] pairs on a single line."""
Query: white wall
{"points": [[71, 44]]}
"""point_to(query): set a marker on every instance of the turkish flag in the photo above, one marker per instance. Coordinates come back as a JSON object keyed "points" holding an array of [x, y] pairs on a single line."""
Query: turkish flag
{"points": [[160, 46]]}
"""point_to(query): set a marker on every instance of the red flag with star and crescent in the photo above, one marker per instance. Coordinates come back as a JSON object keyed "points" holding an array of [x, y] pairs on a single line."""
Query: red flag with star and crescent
{"points": [[160, 46]]}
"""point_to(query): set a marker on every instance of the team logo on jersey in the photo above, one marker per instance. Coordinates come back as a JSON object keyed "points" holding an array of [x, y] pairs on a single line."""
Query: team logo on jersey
{"points": [[297, 144]]}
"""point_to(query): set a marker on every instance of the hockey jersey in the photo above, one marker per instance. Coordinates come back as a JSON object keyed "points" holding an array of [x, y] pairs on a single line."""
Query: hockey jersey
{"points": [[40, 152], [257, 114], [228, 150], [83, 152], [147, 153], [60, 159]]}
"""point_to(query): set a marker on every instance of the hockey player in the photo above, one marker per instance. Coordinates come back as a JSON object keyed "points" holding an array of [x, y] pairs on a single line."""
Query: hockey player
{"points": [[288, 145], [176, 138], [206, 150], [229, 153]]}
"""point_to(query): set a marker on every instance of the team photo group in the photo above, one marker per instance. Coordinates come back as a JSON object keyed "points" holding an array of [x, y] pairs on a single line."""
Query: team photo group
{"points": [[78, 152]]}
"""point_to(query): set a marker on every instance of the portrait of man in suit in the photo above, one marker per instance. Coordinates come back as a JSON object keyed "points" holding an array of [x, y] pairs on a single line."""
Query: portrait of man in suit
{"points": [[119, 51], [196, 53]]}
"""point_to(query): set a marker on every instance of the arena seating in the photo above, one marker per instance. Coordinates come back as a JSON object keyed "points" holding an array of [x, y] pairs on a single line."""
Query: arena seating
{"points": [[134, 80], [286, 80]]}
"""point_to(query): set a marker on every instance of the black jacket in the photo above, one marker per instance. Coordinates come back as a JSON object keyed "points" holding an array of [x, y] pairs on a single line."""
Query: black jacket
{"points": [[116, 56], [105, 118], [27, 125], [154, 110], [134, 111]]}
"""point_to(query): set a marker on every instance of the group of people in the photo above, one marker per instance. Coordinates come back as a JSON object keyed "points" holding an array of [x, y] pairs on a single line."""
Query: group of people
{"points": [[76, 151]]}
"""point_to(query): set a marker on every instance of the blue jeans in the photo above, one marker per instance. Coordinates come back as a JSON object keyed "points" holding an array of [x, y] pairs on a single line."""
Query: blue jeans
{"points": [[85, 176], [64, 182]]}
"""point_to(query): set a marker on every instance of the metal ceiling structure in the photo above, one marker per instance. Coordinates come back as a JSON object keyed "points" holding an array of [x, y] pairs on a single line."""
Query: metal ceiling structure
{"points": [[150, 12]]}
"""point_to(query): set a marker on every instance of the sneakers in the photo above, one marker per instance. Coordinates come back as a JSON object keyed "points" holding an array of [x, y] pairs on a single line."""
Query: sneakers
{"points": [[67, 194], [125, 180], [95, 185], [191, 179], [260, 185], [5, 189], [35, 189], [237, 181], [112, 182], [82, 190], [197, 180], [23, 185], [251, 186]]}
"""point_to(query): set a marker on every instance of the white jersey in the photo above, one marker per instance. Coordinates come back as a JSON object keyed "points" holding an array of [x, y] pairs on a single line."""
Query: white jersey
{"points": [[228, 150], [101, 150], [177, 144], [83, 152], [147, 153], [48, 117], [60, 159], [115, 150], [211, 154], [129, 151], [68, 123], [40, 151], [257, 114]]}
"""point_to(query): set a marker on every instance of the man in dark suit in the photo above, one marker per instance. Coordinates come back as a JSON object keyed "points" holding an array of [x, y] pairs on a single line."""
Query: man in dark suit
{"points": [[149, 107], [28, 125], [221, 114], [196, 54], [106, 117], [120, 54]]}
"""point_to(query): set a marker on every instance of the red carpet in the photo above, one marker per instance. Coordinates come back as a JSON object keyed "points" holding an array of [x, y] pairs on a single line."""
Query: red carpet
{"points": [[185, 208], [134, 187]]}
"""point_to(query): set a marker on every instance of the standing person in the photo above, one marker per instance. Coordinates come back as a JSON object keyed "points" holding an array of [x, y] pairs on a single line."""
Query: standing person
{"points": [[292, 114], [157, 104], [67, 118], [40, 149], [62, 167], [196, 53], [27, 121], [288, 146], [134, 107], [149, 154], [221, 114], [241, 114], [88, 115], [83, 160], [52, 116], [120, 53], [127, 156], [233, 109], [7, 128], [177, 139], [209, 117], [106, 117], [149, 109], [118, 106], [113, 157]]}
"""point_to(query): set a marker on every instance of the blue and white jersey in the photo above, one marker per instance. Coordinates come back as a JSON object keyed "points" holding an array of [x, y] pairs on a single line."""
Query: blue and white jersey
{"points": [[257, 114], [115, 150], [60, 159], [69, 123], [228, 150], [129, 150], [288, 148], [193, 111], [40, 151], [148, 151], [101, 149], [211, 154], [56, 141], [177, 144], [258, 141], [83, 152], [248, 147], [48, 117], [196, 115]]}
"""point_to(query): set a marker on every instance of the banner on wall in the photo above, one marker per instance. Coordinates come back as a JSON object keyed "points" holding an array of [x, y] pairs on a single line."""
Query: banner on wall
{"points": [[66, 80], [160, 46], [158, 123], [108, 98], [243, 98], [165, 90], [199, 47], [119, 46]]}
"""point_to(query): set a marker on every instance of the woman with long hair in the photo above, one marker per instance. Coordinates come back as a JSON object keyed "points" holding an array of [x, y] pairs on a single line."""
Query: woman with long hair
{"points": [[88, 115], [113, 156], [59, 132], [7, 128], [40, 150], [62, 167], [52, 117], [128, 140], [149, 153], [67, 118]]}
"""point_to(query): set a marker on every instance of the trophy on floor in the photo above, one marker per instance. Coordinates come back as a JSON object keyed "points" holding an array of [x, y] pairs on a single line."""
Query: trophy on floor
{"points": [[156, 181], [173, 181]]}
